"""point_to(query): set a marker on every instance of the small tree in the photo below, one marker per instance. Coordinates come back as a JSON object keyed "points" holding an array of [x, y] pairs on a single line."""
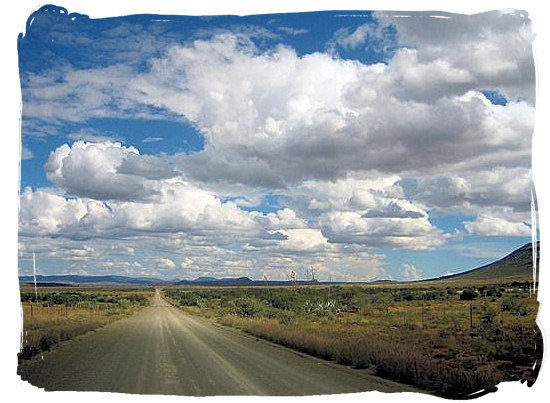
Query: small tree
{"points": [[385, 301]]}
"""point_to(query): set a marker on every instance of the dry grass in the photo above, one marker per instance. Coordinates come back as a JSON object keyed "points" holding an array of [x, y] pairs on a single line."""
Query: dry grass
{"points": [[446, 345], [46, 324]]}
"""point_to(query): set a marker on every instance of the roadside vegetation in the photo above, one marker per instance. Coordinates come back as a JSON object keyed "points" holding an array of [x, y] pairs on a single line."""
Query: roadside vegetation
{"points": [[449, 339], [55, 314]]}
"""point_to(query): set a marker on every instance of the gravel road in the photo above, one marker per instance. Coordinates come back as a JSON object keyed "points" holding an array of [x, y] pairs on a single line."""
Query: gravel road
{"points": [[161, 350]]}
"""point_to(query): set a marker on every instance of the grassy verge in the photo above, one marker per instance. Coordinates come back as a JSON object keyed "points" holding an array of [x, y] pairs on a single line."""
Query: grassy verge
{"points": [[56, 315], [452, 341]]}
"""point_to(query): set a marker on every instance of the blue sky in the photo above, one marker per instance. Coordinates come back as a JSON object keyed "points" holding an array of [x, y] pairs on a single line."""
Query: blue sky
{"points": [[366, 145]]}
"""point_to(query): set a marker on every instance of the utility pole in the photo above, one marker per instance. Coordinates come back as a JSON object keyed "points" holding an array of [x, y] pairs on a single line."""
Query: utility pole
{"points": [[329, 285], [34, 275], [312, 274]]}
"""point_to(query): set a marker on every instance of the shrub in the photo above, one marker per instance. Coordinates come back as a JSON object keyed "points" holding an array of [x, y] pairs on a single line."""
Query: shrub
{"points": [[514, 305], [468, 295], [248, 306], [46, 343]]}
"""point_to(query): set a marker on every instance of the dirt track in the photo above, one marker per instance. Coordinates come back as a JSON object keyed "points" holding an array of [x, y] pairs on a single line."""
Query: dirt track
{"points": [[161, 350]]}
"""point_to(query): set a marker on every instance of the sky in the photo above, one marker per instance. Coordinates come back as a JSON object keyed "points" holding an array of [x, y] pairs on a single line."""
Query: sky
{"points": [[368, 145]]}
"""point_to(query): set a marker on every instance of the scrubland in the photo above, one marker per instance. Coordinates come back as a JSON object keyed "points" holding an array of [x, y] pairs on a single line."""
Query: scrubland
{"points": [[55, 314], [449, 339]]}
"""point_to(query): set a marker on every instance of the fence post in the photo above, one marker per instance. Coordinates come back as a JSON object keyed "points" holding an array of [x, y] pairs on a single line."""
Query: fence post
{"points": [[422, 315], [471, 318]]}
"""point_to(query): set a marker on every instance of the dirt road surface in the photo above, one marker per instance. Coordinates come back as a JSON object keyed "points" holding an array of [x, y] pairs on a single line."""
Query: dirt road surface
{"points": [[161, 350]]}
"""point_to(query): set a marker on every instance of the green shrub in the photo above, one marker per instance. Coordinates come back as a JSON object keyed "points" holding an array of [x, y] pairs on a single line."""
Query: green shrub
{"points": [[514, 305], [248, 306]]}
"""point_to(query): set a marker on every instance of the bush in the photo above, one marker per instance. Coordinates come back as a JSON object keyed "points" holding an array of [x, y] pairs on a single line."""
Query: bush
{"points": [[283, 300], [514, 305], [46, 343], [468, 295], [248, 306]]}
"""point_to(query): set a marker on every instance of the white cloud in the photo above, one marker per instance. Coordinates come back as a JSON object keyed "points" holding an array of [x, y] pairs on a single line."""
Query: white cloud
{"points": [[314, 116], [106, 171], [403, 233], [150, 139], [410, 273], [26, 154], [292, 31], [302, 240], [470, 191], [91, 137], [487, 225], [273, 118], [45, 212], [359, 36], [179, 208], [165, 263], [410, 75], [68, 94], [187, 263], [495, 46], [370, 37], [371, 212], [357, 154]]}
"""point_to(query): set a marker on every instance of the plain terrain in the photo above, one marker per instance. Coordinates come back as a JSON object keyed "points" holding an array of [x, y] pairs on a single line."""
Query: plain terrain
{"points": [[161, 350], [453, 336]]}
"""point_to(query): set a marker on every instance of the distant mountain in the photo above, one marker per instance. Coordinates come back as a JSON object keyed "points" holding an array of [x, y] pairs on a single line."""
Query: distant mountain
{"points": [[78, 279], [67, 279], [517, 266], [204, 279]]}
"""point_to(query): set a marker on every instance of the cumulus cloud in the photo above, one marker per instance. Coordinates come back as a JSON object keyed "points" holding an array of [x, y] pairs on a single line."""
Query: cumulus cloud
{"points": [[410, 73], [469, 191], [186, 263], [165, 263], [273, 118], [410, 273], [487, 225], [371, 33], [403, 233], [174, 205], [314, 116], [106, 171], [45, 212], [394, 210], [495, 46], [295, 240], [357, 155]]}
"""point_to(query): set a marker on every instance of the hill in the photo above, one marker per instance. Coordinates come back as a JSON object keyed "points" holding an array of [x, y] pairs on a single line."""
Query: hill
{"points": [[517, 266], [78, 279]]}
